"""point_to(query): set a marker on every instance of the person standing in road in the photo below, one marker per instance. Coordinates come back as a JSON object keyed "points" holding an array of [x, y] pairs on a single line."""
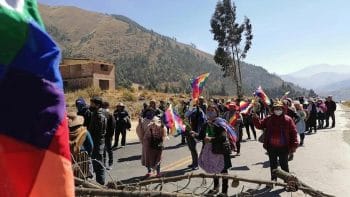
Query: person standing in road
{"points": [[311, 116], [151, 133], [97, 128], [202, 104], [233, 111], [280, 137], [83, 110], [123, 123], [197, 119], [300, 124], [331, 108], [215, 154], [109, 135]]}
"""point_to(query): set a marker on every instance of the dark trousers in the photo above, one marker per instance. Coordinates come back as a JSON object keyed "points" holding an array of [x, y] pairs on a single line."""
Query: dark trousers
{"points": [[238, 143], [192, 146], [98, 166], [320, 123], [278, 155], [149, 170], [108, 150], [251, 125], [119, 131], [183, 139], [330, 114], [302, 136], [224, 183]]}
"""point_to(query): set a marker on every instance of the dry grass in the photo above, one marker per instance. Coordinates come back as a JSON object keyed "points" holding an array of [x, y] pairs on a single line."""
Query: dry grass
{"points": [[347, 103], [132, 98]]}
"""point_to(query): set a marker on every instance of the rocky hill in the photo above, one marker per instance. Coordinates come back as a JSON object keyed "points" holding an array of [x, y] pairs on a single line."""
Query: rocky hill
{"points": [[145, 57]]}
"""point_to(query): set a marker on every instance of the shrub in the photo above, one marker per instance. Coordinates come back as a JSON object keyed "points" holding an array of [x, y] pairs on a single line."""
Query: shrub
{"points": [[128, 96]]}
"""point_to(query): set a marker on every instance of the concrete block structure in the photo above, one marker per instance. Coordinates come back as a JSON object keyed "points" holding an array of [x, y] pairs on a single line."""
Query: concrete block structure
{"points": [[84, 73]]}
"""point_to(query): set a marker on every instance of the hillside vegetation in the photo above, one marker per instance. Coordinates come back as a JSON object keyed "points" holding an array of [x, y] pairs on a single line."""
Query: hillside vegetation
{"points": [[145, 57]]}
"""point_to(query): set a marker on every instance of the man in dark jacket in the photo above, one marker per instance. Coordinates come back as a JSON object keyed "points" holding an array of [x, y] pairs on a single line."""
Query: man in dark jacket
{"points": [[97, 128], [123, 123], [331, 107], [109, 135], [202, 104], [280, 137], [83, 110], [197, 119]]}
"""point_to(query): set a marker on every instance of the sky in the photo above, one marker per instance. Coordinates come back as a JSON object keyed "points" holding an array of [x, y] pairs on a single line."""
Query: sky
{"points": [[288, 34]]}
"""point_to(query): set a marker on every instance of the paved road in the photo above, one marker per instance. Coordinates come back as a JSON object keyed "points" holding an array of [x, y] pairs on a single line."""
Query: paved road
{"points": [[323, 162]]}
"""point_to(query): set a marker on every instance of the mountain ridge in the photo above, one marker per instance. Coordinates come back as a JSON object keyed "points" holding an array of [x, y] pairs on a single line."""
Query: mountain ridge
{"points": [[144, 56]]}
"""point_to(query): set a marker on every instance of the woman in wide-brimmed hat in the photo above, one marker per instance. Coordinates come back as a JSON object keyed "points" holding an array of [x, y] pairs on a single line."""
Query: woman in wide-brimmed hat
{"points": [[79, 137]]}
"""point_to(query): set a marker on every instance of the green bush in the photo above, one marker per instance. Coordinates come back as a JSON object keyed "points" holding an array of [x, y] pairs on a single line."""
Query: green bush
{"points": [[128, 96]]}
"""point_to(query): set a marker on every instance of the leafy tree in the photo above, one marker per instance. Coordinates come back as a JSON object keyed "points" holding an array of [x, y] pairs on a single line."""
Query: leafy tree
{"points": [[228, 33]]}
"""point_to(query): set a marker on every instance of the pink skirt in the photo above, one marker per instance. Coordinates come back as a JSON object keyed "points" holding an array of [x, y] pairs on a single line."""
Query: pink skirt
{"points": [[210, 162]]}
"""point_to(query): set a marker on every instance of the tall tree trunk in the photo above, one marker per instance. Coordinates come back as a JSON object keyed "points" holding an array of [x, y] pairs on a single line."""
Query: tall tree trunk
{"points": [[240, 96], [234, 69], [238, 78], [238, 65]]}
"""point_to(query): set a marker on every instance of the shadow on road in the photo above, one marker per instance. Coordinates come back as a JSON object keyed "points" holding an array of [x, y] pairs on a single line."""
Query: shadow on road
{"points": [[240, 168], [131, 158], [176, 172], [266, 192], [165, 174], [132, 143], [265, 164], [174, 147]]}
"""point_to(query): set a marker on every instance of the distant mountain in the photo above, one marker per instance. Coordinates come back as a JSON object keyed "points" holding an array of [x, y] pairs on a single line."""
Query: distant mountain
{"points": [[340, 90], [316, 81], [145, 57], [321, 68], [325, 79], [345, 84]]}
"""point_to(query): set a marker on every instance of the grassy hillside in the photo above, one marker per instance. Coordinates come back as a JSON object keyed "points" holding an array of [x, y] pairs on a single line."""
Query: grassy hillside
{"points": [[143, 56]]}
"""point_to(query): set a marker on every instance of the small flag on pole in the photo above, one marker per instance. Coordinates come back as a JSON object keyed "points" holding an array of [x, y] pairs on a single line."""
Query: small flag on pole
{"points": [[262, 95], [197, 85], [174, 122], [244, 107]]}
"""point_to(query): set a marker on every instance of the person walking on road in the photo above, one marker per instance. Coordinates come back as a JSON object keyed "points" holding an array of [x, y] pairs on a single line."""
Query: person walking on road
{"points": [[280, 137], [123, 123], [321, 113], [215, 154], [311, 116], [151, 133], [197, 119], [97, 128], [111, 124], [300, 124], [238, 124], [331, 108]]}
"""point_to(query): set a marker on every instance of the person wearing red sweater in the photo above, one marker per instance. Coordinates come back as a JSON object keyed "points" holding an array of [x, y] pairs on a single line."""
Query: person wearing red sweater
{"points": [[280, 137]]}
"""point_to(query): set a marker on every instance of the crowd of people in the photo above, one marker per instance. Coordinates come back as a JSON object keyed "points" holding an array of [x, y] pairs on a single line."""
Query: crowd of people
{"points": [[92, 129], [208, 124]]}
